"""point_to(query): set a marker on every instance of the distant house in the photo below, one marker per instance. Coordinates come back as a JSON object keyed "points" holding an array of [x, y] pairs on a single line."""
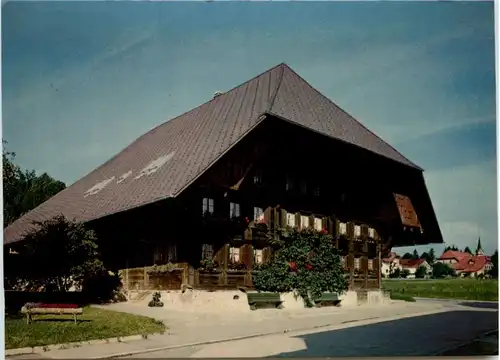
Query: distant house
{"points": [[473, 266], [452, 258], [413, 264], [390, 264], [466, 264]]}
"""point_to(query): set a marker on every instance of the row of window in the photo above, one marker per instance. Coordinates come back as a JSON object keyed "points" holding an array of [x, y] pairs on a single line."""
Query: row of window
{"points": [[290, 184], [305, 223], [169, 256], [234, 253], [304, 187], [234, 209], [258, 214]]}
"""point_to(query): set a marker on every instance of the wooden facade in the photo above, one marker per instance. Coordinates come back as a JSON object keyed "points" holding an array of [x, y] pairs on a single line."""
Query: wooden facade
{"points": [[278, 175]]}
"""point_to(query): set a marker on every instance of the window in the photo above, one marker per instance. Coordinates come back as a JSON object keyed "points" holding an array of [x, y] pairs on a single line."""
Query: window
{"points": [[207, 252], [289, 183], [290, 219], [257, 256], [234, 254], [208, 205], [234, 209], [258, 214], [318, 224], [304, 222], [257, 178], [370, 264], [371, 233], [343, 228], [172, 253], [158, 254], [357, 263], [357, 230]]}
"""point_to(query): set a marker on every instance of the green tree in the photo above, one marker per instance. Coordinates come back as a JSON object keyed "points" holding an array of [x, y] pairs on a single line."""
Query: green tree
{"points": [[452, 248], [440, 270], [468, 250], [395, 273], [405, 273], [415, 256], [432, 257], [421, 272], [24, 190], [55, 256], [305, 262], [407, 256]]}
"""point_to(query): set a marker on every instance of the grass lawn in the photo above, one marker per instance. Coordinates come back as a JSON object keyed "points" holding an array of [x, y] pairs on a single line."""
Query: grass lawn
{"points": [[92, 325], [463, 289]]}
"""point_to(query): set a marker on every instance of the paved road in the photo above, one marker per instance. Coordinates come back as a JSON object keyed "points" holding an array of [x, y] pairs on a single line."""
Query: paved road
{"points": [[416, 336]]}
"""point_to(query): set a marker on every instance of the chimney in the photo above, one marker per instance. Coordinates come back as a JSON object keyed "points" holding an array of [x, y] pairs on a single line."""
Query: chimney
{"points": [[217, 93]]}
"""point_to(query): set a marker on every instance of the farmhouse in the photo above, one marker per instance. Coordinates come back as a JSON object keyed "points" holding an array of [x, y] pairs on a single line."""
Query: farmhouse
{"points": [[203, 191]]}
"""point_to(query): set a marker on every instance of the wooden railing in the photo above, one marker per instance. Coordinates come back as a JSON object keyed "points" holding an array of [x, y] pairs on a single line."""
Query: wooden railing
{"points": [[142, 279], [230, 279]]}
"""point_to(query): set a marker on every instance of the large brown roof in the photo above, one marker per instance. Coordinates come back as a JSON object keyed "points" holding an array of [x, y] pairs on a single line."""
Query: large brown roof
{"points": [[174, 154]]}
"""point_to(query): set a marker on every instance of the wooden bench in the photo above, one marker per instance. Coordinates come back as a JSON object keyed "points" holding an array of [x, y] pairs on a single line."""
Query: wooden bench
{"points": [[29, 312], [255, 299], [328, 299]]}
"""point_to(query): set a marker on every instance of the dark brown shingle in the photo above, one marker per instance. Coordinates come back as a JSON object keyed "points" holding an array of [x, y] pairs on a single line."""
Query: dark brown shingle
{"points": [[184, 147]]}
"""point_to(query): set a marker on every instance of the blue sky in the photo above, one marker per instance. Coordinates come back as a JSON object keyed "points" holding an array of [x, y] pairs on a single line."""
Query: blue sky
{"points": [[81, 80]]}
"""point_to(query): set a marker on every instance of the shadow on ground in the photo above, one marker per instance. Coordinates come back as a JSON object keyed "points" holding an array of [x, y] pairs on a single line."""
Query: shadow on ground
{"points": [[416, 336], [480, 304]]}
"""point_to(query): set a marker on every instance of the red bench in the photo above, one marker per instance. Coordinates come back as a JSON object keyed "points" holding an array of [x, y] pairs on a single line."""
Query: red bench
{"points": [[31, 309]]}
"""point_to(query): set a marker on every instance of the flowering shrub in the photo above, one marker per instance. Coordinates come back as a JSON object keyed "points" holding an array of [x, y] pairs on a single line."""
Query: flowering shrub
{"points": [[304, 261]]}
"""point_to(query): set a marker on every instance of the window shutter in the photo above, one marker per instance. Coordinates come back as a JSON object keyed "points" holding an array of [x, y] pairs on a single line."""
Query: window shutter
{"points": [[350, 262], [364, 264], [266, 255], [364, 231], [267, 215], [297, 220], [283, 218], [336, 226], [350, 230], [330, 225], [222, 255], [246, 255], [311, 222], [324, 223]]}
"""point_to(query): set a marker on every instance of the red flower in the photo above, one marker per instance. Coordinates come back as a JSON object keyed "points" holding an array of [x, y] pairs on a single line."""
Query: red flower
{"points": [[246, 220], [324, 231], [309, 267], [293, 266]]}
